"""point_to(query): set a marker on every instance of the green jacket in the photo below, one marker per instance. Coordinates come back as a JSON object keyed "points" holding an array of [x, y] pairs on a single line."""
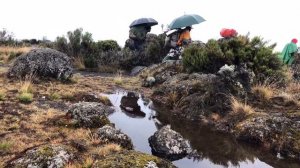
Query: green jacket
{"points": [[288, 52]]}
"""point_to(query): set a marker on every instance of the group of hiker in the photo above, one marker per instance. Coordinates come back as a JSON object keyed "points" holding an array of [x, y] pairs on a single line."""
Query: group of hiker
{"points": [[178, 37]]}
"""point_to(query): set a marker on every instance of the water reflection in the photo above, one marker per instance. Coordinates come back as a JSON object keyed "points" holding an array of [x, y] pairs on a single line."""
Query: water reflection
{"points": [[129, 104], [214, 149]]}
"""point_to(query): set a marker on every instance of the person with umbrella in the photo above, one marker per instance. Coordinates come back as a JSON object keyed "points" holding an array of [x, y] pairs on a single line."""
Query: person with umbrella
{"points": [[138, 32], [185, 37]]}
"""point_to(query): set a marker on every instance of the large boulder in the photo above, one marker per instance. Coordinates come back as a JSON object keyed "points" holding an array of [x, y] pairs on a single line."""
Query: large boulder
{"points": [[89, 114], [43, 62], [111, 134], [169, 144], [52, 156], [132, 159]]}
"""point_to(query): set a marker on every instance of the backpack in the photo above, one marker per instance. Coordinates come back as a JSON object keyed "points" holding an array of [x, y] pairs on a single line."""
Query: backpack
{"points": [[172, 38]]}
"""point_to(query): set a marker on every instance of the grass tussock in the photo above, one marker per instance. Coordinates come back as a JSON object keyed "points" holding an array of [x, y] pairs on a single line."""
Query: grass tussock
{"points": [[105, 100], [107, 149], [2, 95], [263, 92], [79, 63], [5, 146], [25, 97], [293, 87], [240, 108], [8, 53], [118, 80]]}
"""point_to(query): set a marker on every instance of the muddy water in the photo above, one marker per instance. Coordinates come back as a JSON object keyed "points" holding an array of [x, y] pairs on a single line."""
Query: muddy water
{"points": [[214, 149]]}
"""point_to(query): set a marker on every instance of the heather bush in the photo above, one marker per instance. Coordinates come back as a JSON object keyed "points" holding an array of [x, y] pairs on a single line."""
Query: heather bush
{"points": [[240, 50]]}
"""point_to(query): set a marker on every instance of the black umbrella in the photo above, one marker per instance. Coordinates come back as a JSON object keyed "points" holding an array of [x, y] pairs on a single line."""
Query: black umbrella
{"points": [[143, 21]]}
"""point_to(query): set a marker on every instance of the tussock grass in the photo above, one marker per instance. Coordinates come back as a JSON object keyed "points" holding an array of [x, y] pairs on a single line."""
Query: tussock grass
{"points": [[293, 88], [2, 95], [240, 108], [172, 98], [5, 146], [105, 100], [263, 92], [8, 53], [79, 63], [25, 97], [118, 80], [107, 149]]}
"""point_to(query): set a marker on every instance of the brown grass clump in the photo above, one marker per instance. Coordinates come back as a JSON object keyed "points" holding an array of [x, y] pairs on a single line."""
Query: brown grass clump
{"points": [[263, 92], [79, 63], [107, 149], [240, 108], [8, 53]]}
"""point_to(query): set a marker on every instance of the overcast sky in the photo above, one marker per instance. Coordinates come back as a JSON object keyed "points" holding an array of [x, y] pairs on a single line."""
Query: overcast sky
{"points": [[275, 21]]}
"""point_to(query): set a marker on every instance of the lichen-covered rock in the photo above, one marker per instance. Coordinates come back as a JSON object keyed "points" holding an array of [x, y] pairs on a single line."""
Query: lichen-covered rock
{"points": [[132, 159], [50, 156], [169, 144], [89, 114], [42, 62], [111, 134]]}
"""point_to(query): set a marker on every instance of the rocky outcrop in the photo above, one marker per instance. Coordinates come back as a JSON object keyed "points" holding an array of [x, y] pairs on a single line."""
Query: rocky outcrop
{"points": [[169, 144], [42, 62], [111, 134], [143, 52], [89, 114], [52, 156], [132, 159]]}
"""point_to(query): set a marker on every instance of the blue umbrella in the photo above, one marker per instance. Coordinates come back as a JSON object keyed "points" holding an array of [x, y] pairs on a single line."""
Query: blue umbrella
{"points": [[143, 21], [186, 20]]}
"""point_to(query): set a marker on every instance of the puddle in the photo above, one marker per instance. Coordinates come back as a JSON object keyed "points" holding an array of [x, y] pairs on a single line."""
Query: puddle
{"points": [[214, 149]]}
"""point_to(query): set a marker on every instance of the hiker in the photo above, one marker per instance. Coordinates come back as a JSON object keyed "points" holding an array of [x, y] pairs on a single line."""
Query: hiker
{"points": [[185, 37], [228, 33], [289, 52], [137, 36]]}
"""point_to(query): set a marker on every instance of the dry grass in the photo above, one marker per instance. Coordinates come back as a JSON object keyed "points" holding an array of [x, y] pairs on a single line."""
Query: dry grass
{"points": [[79, 63], [8, 53], [263, 92], [286, 96], [118, 80], [107, 149], [240, 108], [105, 100], [172, 98], [26, 85], [293, 88]]}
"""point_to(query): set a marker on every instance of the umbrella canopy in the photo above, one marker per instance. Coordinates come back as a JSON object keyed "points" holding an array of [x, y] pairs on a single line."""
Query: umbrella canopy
{"points": [[143, 21], [186, 20]]}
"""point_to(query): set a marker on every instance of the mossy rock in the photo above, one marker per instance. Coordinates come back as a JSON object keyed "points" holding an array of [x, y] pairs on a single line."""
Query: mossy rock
{"points": [[134, 159]]}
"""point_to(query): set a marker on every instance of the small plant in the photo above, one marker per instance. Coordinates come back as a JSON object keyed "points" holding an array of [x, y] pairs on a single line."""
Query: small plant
{"points": [[26, 86], [25, 97], [79, 63], [108, 149], [5, 146], [240, 108], [55, 96], [88, 163], [263, 92], [118, 79], [2, 96]]}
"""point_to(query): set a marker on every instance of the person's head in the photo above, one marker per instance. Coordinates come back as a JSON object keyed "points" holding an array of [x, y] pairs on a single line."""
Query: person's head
{"points": [[189, 28], [294, 40], [148, 28]]}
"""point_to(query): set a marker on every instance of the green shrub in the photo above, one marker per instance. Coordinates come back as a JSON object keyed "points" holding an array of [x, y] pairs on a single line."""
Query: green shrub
{"points": [[255, 53], [5, 146], [55, 96], [25, 97], [2, 96]]}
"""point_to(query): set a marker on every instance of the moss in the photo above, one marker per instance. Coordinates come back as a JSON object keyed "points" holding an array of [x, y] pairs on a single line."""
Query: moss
{"points": [[46, 151], [131, 159]]}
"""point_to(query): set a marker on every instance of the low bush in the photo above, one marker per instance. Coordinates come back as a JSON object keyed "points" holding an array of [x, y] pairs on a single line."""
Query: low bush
{"points": [[240, 50]]}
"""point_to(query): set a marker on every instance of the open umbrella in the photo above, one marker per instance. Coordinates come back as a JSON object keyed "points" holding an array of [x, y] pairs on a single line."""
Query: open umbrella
{"points": [[186, 20], [143, 21]]}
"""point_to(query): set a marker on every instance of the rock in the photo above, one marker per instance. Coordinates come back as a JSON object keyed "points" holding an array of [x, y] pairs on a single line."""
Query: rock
{"points": [[90, 114], [136, 70], [111, 134], [132, 159], [51, 156], [169, 144], [42, 62], [149, 82], [129, 103]]}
